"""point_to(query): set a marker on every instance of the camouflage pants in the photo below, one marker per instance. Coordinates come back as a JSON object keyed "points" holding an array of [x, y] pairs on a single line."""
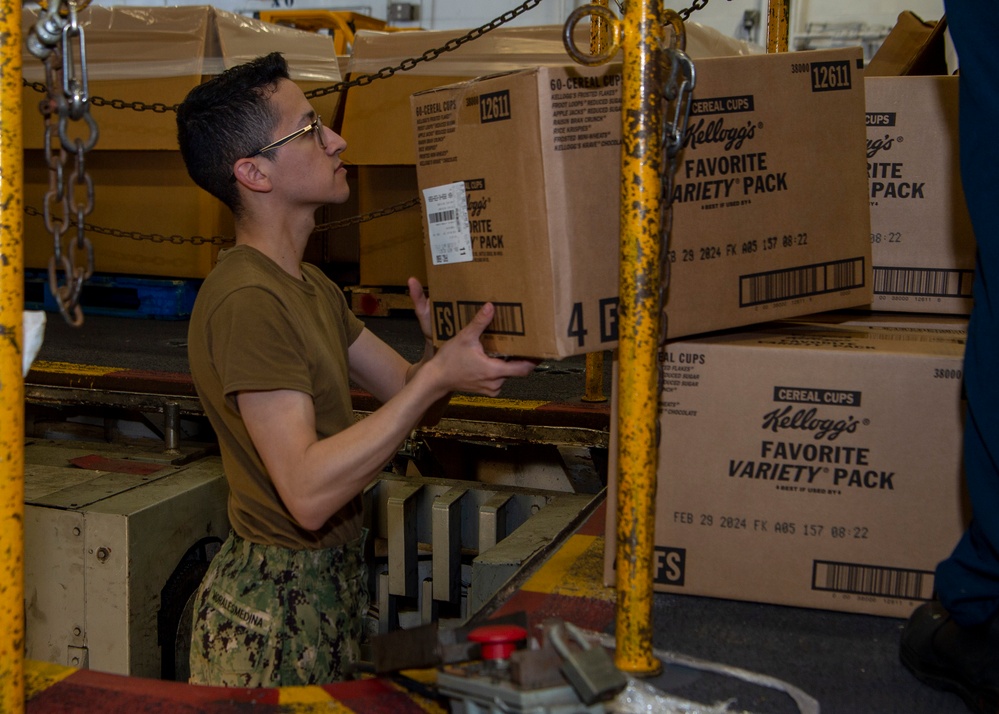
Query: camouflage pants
{"points": [[267, 616]]}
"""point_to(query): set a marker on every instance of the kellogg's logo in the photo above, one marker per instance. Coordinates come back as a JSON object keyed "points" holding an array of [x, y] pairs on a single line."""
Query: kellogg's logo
{"points": [[715, 132], [883, 144], [786, 418]]}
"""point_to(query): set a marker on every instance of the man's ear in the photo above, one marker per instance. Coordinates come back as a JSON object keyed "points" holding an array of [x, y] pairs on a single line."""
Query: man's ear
{"points": [[251, 175]]}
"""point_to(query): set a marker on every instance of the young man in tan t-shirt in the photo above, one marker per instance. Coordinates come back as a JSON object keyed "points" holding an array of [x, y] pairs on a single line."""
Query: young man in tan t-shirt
{"points": [[273, 348]]}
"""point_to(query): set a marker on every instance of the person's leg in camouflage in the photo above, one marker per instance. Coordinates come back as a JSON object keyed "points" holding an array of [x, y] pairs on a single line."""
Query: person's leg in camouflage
{"points": [[270, 616]]}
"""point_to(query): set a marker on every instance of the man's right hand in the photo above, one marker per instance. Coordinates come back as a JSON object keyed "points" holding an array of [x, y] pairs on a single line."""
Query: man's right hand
{"points": [[464, 365]]}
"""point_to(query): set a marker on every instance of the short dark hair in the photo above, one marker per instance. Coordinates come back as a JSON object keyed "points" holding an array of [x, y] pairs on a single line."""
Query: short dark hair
{"points": [[226, 118]]}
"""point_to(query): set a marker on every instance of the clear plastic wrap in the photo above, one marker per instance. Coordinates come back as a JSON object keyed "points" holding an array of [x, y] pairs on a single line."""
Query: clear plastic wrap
{"points": [[141, 43], [506, 49]]}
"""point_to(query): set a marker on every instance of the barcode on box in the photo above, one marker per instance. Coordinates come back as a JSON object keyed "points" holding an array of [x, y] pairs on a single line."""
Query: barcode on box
{"points": [[508, 319], [803, 281], [441, 216], [874, 580], [923, 282]]}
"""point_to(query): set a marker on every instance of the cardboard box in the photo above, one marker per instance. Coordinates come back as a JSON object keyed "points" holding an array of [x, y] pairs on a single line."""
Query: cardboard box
{"points": [[148, 192], [155, 55], [922, 242], [805, 465], [886, 320], [379, 132], [913, 47], [770, 207]]}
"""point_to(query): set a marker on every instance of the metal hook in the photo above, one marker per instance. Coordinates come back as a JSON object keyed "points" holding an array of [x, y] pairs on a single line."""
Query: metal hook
{"points": [[679, 37], [74, 88], [683, 94], [46, 33]]}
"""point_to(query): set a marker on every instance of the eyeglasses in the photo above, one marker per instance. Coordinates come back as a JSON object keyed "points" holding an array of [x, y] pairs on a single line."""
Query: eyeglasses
{"points": [[315, 126]]}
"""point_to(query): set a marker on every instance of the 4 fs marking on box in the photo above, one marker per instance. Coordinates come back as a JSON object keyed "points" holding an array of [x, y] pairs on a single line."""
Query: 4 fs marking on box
{"points": [[607, 309]]}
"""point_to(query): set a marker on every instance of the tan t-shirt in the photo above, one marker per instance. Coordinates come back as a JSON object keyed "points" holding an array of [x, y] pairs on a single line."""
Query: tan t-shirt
{"points": [[254, 327]]}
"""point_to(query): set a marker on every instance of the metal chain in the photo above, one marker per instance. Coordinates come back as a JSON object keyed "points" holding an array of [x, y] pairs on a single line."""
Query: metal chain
{"points": [[364, 218], [175, 239], [429, 55], [694, 7], [57, 39]]}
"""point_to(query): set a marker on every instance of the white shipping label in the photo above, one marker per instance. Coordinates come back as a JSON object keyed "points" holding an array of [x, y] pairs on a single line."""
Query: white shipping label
{"points": [[447, 221]]}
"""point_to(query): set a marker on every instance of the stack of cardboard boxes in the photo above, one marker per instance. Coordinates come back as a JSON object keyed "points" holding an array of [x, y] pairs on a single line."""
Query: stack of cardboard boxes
{"points": [[817, 462], [758, 233], [380, 134], [154, 56], [812, 461]]}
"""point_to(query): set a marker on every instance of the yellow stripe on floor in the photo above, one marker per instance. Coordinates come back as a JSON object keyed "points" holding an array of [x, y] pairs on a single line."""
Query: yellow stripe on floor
{"points": [[496, 403], [39, 676], [310, 699], [73, 368], [575, 570]]}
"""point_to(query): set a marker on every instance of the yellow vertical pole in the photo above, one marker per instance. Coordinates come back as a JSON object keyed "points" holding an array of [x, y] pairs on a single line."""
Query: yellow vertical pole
{"points": [[778, 25], [11, 378], [638, 320], [599, 33], [594, 388]]}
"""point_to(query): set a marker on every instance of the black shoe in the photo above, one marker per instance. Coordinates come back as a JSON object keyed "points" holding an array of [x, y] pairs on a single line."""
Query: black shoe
{"points": [[944, 655]]}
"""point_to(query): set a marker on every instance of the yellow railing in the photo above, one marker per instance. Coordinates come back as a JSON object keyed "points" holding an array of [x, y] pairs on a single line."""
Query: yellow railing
{"points": [[11, 377]]}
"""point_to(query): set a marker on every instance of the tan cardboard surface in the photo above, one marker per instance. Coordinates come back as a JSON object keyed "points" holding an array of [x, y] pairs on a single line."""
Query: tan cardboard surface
{"points": [[922, 242], [813, 466], [886, 320], [148, 192]]}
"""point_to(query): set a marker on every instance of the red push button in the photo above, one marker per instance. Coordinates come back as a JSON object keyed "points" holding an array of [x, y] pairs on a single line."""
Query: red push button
{"points": [[497, 641]]}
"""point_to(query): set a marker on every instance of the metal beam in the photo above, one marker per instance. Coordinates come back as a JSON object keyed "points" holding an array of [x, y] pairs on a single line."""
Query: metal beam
{"points": [[403, 570], [446, 538], [639, 317], [11, 377]]}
